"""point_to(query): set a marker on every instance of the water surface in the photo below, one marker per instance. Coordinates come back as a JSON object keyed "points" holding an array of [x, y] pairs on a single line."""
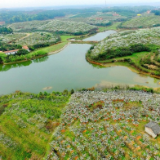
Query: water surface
{"points": [[100, 36], [66, 70]]}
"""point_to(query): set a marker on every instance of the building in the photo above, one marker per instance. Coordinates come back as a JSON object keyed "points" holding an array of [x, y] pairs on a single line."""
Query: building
{"points": [[26, 48], [153, 129], [11, 52]]}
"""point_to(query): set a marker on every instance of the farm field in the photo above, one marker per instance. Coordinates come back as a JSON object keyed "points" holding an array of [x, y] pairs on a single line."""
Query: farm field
{"points": [[98, 125], [27, 122]]}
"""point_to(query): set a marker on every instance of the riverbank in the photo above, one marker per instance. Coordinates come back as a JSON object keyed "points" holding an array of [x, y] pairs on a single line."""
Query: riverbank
{"points": [[121, 62]]}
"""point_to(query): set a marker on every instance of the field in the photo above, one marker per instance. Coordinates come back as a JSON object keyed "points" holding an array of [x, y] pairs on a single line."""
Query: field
{"points": [[26, 123], [98, 125], [143, 21], [53, 26]]}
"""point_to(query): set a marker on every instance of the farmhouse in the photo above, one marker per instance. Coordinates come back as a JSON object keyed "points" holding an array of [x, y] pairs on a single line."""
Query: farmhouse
{"points": [[11, 52], [153, 129], [26, 48]]}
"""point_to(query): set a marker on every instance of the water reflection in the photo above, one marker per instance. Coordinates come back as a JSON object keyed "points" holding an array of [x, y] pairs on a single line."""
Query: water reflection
{"points": [[42, 59], [16, 65]]}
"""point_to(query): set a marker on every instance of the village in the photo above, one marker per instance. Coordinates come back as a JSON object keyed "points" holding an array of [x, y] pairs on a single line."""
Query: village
{"points": [[109, 125]]}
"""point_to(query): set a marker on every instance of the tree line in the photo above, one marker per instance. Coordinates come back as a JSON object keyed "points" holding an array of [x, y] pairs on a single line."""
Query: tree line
{"points": [[5, 30]]}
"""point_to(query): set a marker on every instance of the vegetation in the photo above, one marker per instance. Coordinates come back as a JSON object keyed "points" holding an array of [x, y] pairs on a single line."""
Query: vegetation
{"points": [[121, 52], [143, 21], [56, 26], [22, 16], [129, 11], [149, 37], [107, 125], [27, 122], [156, 12], [5, 30]]}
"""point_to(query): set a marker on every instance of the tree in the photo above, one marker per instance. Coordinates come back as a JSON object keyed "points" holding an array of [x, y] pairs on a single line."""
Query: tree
{"points": [[22, 52]]}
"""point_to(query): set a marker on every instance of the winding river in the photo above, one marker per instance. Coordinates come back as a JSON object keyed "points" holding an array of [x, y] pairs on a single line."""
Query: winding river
{"points": [[67, 69]]}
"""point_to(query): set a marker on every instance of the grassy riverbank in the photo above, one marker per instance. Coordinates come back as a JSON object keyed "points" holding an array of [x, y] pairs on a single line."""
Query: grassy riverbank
{"points": [[134, 61]]}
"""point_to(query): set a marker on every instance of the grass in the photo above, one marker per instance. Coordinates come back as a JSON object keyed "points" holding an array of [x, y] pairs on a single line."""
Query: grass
{"points": [[114, 26], [26, 123], [56, 46]]}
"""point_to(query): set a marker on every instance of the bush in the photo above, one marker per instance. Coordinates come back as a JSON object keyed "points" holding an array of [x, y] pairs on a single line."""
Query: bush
{"points": [[22, 52]]}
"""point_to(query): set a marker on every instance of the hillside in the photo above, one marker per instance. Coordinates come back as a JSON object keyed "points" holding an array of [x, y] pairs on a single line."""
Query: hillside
{"points": [[138, 48], [28, 39], [143, 21], [53, 26]]}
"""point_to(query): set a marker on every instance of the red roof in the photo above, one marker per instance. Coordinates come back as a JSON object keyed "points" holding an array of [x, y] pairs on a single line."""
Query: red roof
{"points": [[25, 47], [2, 22]]}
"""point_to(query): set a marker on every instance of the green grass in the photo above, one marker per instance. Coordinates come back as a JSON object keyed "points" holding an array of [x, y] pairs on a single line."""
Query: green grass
{"points": [[65, 37], [26, 124], [112, 27]]}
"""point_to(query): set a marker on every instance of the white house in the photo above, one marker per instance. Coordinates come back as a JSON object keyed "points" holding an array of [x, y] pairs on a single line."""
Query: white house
{"points": [[153, 129], [11, 52]]}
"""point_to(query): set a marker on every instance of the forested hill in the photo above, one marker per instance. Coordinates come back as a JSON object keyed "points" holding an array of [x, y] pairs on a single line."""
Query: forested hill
{"points": [[20, 16]]}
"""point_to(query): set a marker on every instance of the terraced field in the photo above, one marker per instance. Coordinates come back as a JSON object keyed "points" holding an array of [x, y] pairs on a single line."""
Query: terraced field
{"points": [[143, 21], [107, 125]]}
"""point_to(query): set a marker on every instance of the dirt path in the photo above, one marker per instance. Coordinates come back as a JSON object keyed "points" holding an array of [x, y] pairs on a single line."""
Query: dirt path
{"points": [[27, 35]]}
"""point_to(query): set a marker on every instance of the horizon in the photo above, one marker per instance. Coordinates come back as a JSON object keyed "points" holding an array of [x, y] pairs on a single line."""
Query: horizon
{"points": [[4, 5]]}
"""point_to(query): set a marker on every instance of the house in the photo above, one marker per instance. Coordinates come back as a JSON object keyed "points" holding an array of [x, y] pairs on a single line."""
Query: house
{"points": [[15, 51], [11, 52], [26, 48], [153, 129]]}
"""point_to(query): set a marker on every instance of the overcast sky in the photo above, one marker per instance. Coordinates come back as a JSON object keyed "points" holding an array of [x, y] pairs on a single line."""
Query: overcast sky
{"points": [[44, 3]]}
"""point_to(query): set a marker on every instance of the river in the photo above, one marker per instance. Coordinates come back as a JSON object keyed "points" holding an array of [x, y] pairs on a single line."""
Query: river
{"points": [[67, 69]]}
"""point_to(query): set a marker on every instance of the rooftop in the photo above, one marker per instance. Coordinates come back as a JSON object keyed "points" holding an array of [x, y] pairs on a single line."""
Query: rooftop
{"points": [[154, 126]]}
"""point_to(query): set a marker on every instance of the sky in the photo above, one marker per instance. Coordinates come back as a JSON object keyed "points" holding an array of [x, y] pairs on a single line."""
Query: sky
{"points": [[46, 3]]}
